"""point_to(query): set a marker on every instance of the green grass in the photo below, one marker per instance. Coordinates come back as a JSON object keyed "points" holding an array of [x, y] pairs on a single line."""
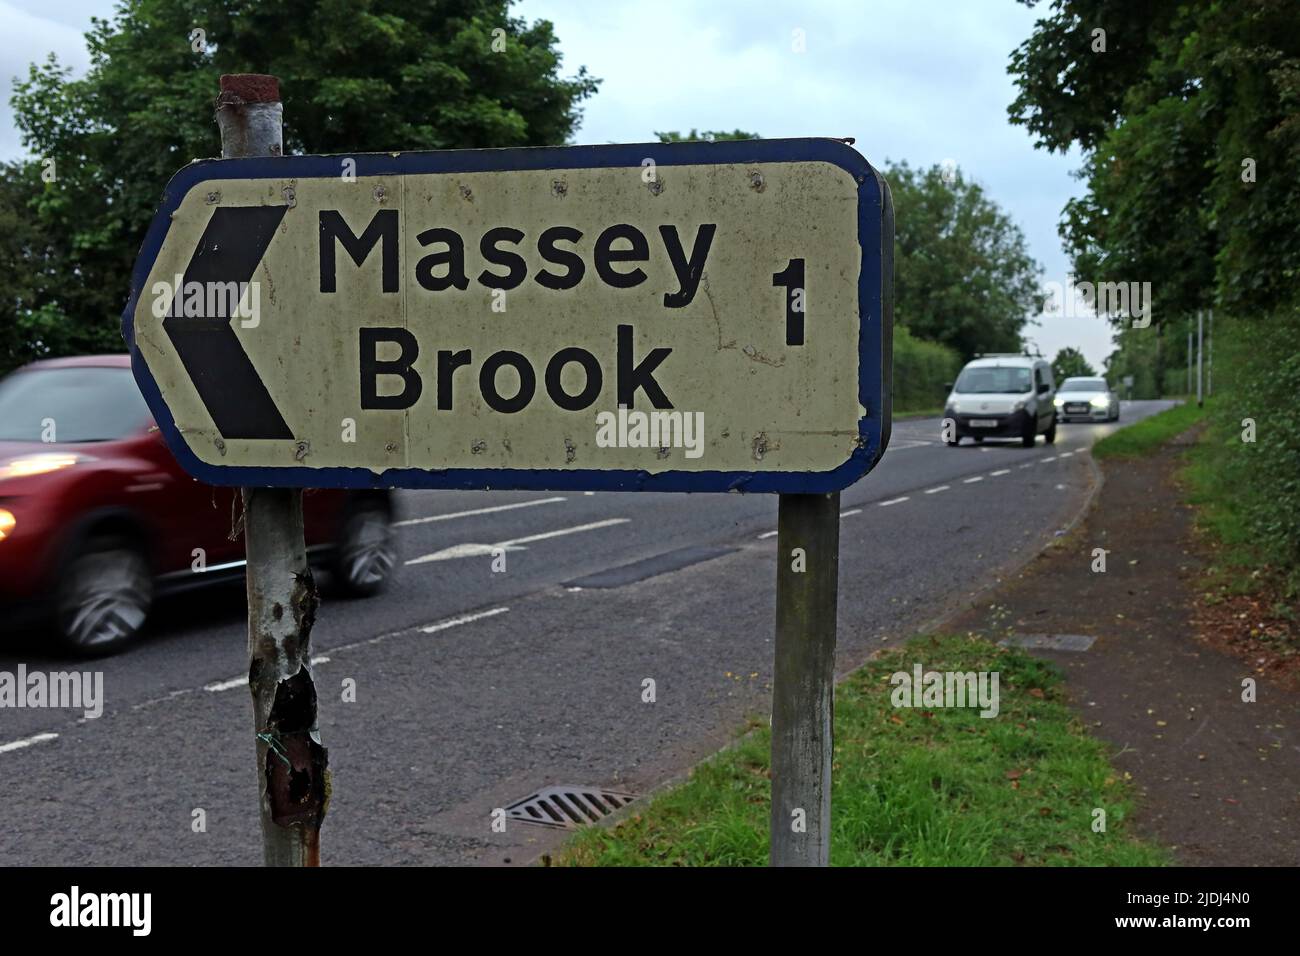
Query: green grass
{"points": [[1208, 478], [1145, 436], [939, 787], [932, 412]]}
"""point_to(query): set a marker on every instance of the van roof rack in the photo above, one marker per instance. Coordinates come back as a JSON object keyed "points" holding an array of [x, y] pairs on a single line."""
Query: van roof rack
{"points": [[1003, 355]]}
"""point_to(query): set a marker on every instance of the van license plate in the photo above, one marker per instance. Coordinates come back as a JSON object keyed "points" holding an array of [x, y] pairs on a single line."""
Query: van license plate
{"points": [[983, 423]]}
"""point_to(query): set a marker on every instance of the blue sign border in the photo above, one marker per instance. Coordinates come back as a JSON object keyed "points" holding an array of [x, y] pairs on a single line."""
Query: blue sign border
{"points": [[875, 310]]}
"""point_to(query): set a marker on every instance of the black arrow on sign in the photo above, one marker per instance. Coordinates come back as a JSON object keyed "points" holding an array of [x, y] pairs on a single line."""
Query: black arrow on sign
{"points": [[231, 247]]}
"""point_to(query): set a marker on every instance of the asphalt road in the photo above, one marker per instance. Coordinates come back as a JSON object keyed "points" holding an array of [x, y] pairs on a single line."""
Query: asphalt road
{"points": [[474, 688]]}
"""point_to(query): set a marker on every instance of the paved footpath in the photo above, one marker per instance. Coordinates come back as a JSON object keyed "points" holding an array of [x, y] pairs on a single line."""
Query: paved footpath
{"points": [[1218, 777]]}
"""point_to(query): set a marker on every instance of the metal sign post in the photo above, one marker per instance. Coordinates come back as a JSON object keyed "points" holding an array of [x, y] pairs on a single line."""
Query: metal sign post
{"points": [[707, 317], [1200, 356]]}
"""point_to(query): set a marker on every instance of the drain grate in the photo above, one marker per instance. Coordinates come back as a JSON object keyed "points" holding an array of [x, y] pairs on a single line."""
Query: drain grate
{"points": [[1050, 642], [568, 807]]}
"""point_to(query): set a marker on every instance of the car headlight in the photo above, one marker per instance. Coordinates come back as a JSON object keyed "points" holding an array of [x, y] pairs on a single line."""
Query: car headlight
{"points": [[1019, 406], [1058, 402], [30, 465], [1100, 401], [7, 523]]}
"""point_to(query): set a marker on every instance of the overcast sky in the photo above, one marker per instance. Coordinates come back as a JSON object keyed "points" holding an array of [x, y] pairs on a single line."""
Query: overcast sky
{"points": [[921, 80]]}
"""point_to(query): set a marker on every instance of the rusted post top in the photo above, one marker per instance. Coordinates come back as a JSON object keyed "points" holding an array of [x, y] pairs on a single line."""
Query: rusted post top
{"points": [[250, 87], [249, 115]]}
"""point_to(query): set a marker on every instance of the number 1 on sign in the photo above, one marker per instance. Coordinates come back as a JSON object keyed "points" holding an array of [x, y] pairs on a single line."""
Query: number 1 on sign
{"points": [[791, 279]]}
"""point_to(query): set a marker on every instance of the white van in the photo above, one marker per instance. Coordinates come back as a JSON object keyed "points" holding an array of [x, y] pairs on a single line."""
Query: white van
{"points": [[1007, 395]]}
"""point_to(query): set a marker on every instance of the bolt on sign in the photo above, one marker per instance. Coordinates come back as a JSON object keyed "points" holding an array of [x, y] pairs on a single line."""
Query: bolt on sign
{"points": [[658, 317]]}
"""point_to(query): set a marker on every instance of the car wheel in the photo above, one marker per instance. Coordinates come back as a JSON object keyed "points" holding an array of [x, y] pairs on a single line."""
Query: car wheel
{"points": [[103, 597], [1050, 435], [1028, 435], [365, 553]]}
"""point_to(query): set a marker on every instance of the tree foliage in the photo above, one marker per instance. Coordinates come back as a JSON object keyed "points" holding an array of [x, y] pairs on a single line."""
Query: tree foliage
{"points": [[1190, 125], [1069, 363], [707, 136], [963, 275], [355, 75]]}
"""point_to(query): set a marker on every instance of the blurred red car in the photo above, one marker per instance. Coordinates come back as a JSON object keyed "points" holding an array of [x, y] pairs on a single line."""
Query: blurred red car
{"points": [[97, 518]]}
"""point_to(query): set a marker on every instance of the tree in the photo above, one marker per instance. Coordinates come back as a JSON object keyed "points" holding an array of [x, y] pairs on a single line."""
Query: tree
{"points": [[708, 136], [356, 75], [1069, 363], [963, 275], [1190, 125]]}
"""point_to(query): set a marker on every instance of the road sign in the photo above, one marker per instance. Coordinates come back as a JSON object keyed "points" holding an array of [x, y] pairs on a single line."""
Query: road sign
{"points": [[680, 317]]}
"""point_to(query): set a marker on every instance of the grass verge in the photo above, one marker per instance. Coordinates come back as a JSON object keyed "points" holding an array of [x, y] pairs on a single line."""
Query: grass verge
{"points": [[1142, 437], [923, 787], [932, 412]]}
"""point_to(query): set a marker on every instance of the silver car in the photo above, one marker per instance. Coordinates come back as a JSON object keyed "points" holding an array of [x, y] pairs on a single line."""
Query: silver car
{"points": [[1086, 400]]}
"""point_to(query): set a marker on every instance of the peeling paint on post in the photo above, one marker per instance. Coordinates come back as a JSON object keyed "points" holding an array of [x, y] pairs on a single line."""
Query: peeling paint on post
{"points": [[803, 686], [293, 779]]}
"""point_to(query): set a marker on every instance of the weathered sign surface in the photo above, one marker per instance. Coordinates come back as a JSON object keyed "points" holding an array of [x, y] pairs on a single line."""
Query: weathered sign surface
{"points": [[682, 317]]}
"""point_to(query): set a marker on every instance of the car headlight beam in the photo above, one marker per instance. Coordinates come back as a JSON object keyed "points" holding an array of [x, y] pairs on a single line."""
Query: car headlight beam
{"points": [[30, 465]]}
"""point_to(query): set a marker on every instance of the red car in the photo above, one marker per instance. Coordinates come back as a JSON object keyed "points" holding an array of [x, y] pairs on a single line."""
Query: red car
{"points": [[97, 518]]}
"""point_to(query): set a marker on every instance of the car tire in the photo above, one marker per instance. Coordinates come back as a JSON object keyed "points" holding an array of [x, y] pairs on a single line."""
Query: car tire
{"points": [[1049, 436], [365, 554], [103, 596], [1029, 434]]}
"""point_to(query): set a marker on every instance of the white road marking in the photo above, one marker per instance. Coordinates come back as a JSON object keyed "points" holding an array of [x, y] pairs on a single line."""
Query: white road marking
{"points": [[852, 511], [27, 742], [479, 511], [428, 629], [767, 534], [1028, 464], [1065, 454], [893, 501], [935, 491], [971, 481], [465, 619], [1004, 471], [478, 550], [217, 686], [1048, 458]]}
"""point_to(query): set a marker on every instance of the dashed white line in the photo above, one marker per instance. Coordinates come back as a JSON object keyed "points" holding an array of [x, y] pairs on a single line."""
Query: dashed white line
{"points": [[935, 491], [27, 742], [217, 686], [427, 629], [850, 512], [893, 501], [971, 481], [464, 619], [1065, 454], [767, 534], [478, 511], [1048, 458], [1003, 471]]}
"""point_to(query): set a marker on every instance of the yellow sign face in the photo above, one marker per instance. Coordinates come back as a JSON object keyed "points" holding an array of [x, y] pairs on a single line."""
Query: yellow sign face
{"points": [[660, 317]]}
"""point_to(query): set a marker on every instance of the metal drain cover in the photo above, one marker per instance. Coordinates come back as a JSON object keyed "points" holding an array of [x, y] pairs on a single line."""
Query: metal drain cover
{"points": [[1050, 642], [568, 807]]}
